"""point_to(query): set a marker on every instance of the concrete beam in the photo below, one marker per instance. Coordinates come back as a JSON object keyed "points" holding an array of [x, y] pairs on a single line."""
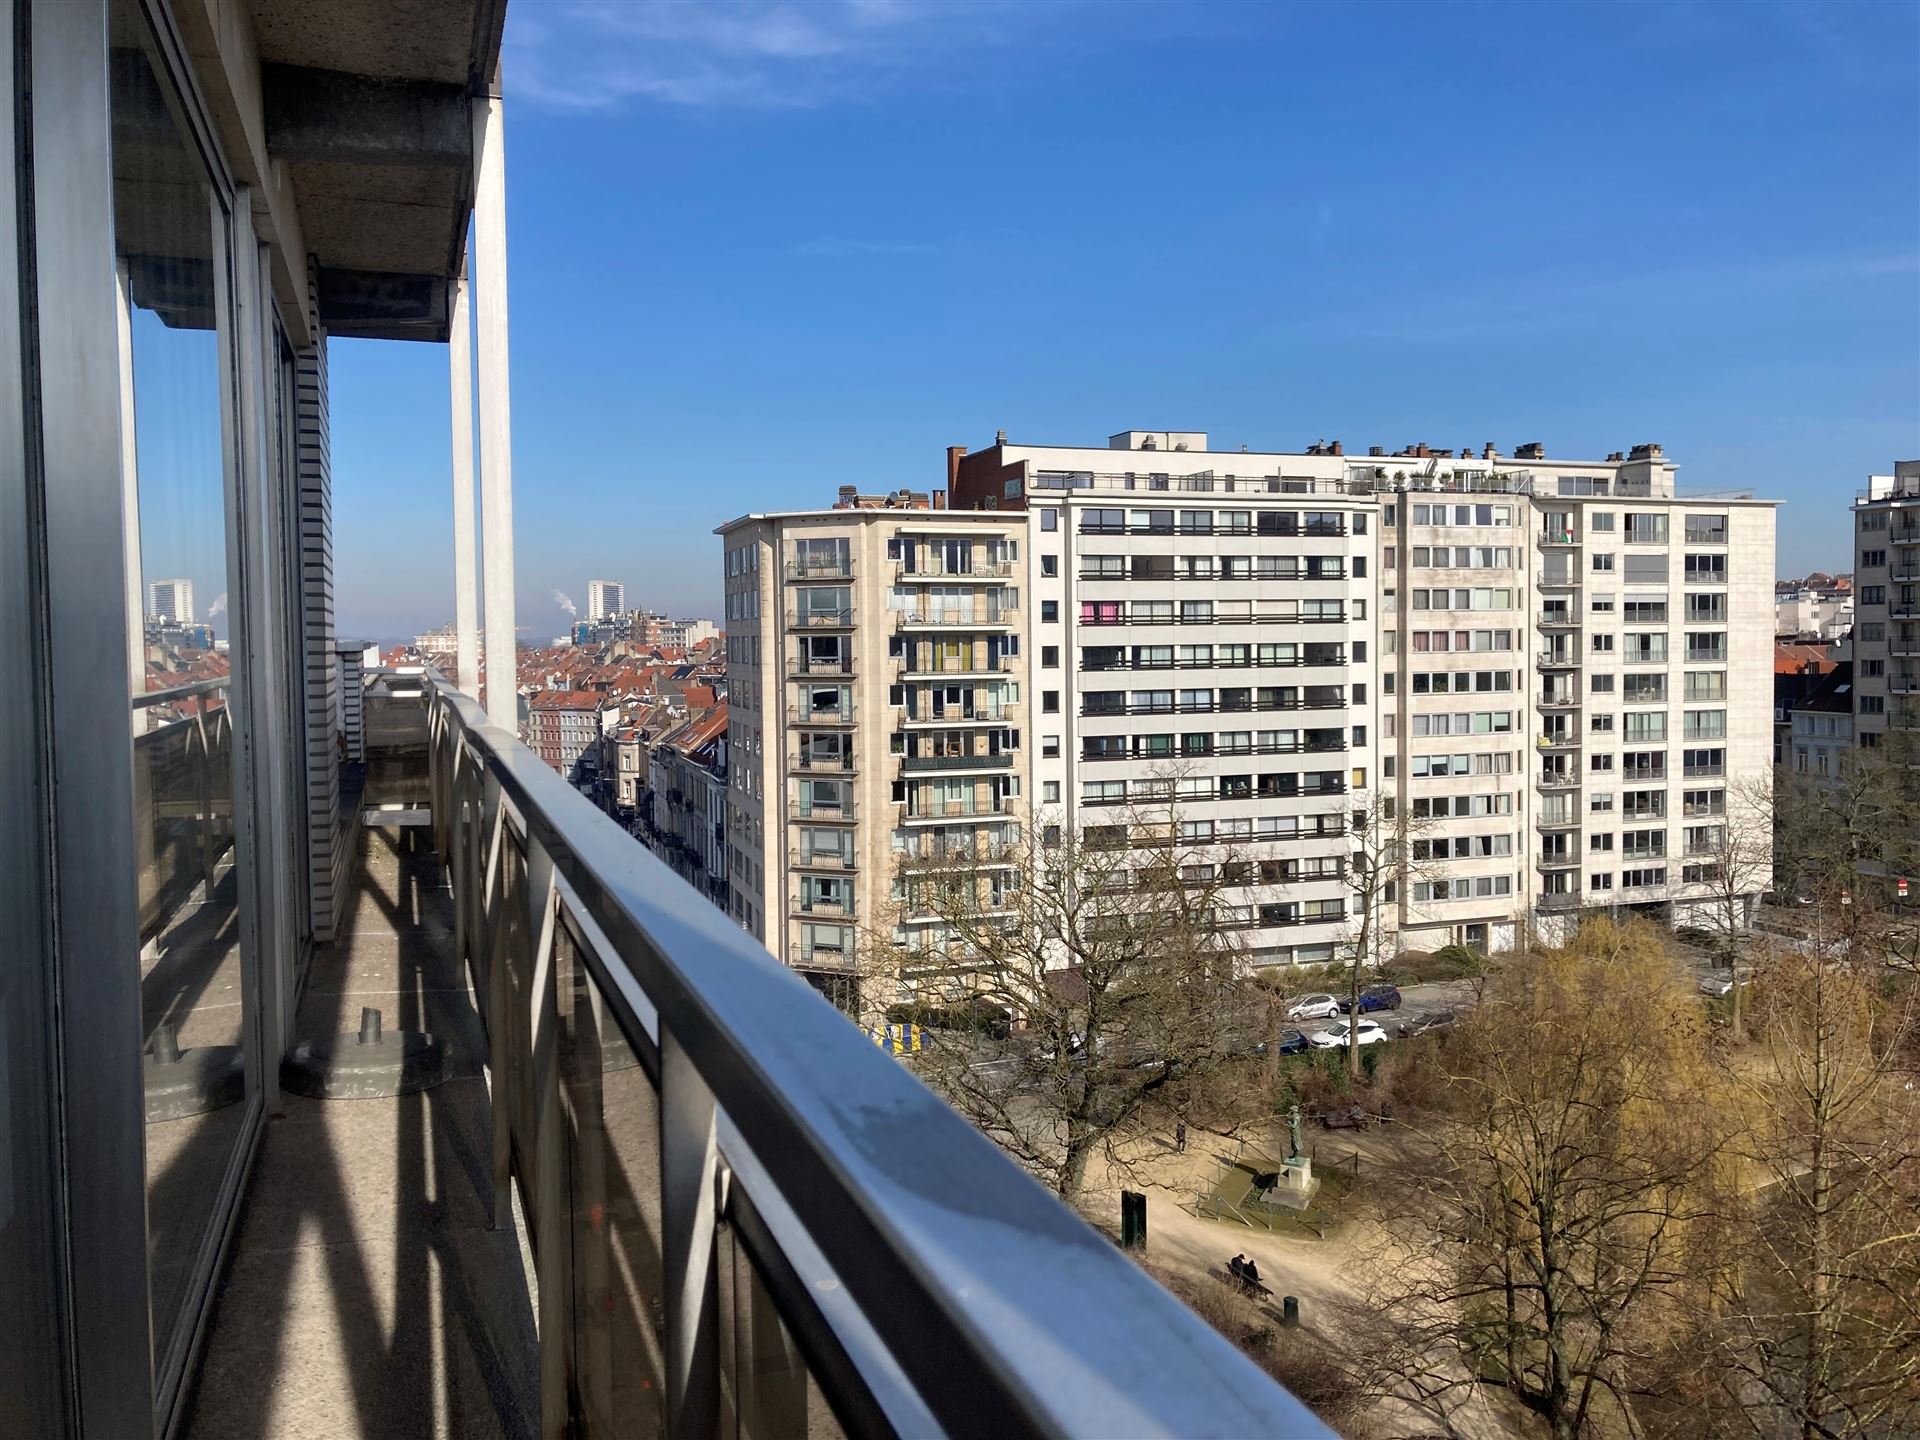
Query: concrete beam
{"points": [[326, 117], [366, 305]]}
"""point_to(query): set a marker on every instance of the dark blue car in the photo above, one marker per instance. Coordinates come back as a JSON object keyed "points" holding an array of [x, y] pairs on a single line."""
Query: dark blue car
{"points": [[1292, 1042], [1374, 997]]}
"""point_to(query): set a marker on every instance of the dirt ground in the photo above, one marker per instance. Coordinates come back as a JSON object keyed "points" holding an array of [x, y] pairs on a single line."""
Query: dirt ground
{"points": [[1328, 1275]]}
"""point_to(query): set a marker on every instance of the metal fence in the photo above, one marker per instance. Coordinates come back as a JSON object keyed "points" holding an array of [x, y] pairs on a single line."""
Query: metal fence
{"points": [[744, 1214], [182, 799]]}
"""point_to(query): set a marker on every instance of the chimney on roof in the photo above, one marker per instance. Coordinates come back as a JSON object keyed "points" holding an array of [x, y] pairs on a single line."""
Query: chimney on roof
{"points": [[1648, 451], [999, 437], [1532, 450], [955, 453], [1616, 455], [939, 499], [1336, 449], [1376, 450], [1422, 452], [849, 494], [1489, 453]]}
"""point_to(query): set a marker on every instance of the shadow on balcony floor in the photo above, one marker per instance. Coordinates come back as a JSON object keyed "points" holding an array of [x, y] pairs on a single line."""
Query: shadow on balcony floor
{"points": [[366, 1294]]}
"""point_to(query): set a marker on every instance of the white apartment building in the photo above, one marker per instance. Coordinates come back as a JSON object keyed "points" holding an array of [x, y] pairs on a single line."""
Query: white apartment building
{"points": [[875, 668], [606, 599], [1202, 640], [1886, 632], [170, 602], [1812, 615], [1534, 657]]}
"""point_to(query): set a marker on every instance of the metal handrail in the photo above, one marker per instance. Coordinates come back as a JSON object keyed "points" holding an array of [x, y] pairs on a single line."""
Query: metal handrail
{"points": [[1005, 1314]]}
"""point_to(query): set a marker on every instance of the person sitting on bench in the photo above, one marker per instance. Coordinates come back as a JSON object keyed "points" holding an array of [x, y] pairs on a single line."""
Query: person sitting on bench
{"points": [[1237, 1266], [1250, 1272]]}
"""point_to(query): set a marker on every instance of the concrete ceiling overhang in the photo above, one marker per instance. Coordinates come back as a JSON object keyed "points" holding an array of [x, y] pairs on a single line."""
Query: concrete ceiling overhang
{"points": [[364, 124]]}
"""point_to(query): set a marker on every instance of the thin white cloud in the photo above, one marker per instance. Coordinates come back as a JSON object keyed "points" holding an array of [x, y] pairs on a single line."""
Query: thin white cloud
{"points": [[598, 55]]}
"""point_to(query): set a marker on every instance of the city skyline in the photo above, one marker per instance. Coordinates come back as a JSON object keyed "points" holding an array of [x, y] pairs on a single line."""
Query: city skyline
{"points": [[1432, 242]]}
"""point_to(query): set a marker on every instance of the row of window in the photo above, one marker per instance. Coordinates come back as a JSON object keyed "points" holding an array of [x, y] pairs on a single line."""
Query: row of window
{"points": [[1463, 557], [1222, 743], [1201, 657], [1465, 887], [1228, 698], [1423, 767], [1213, 612], [1464, 722], [1219, 567], [1461, 516], [1282, 785], [1441, 642], [1095, 521], [1478, 598]]}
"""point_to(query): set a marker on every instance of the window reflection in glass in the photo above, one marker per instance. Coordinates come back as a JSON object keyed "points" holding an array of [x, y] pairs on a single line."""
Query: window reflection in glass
{"points": [[171, 256]]}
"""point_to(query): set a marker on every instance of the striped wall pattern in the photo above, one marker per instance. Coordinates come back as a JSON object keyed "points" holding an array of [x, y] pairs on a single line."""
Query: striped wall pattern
{"points": [[328, 852]]}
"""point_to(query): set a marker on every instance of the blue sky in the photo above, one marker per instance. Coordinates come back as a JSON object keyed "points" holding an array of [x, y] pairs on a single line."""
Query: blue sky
{"points": [[761, 250]]}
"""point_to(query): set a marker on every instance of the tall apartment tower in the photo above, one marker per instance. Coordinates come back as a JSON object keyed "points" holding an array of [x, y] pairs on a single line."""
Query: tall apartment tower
{"points": [[875, 669], [170, 601], [1203, 646], [1886, 608], [1533, 658], [606, 599]]}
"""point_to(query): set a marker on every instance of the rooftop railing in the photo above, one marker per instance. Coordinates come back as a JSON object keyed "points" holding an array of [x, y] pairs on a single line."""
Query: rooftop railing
{"points": [[737, 1203], [183, 798]]}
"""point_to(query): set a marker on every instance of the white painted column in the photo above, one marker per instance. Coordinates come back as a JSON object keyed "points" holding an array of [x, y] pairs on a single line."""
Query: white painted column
{"points": [[496, 427], [466, 594]]}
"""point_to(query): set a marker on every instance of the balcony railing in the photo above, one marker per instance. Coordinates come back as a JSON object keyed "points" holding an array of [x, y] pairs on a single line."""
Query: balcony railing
{"points": [[731, 1170], [956, 762], [918, 618], [1220, 707], [1558, 538], [837, 669], [826, 568], [978, 570], [821, 814], [183, 799], [1228, 618], [823, 908], [804, 715], [1557, 619], [820, 619], [1560, 660], [1316, 662], [838, 764]]}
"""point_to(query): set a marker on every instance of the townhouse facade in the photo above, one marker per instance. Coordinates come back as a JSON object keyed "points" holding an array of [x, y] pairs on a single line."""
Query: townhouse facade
{"points": [[1886, 632], [876, 677], [686, 800], [562, 725]]}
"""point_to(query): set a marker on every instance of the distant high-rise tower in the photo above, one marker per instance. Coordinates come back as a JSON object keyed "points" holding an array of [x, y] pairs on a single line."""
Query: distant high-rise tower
{"points": [[605, 599], [170, 601]]}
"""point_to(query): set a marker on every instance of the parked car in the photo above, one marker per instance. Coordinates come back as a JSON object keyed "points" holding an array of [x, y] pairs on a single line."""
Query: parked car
{"points": [[1718, 986], [1313, 1007], [1421, 1024], [1292, 1042], [1335, 1035], [1374, 997]]}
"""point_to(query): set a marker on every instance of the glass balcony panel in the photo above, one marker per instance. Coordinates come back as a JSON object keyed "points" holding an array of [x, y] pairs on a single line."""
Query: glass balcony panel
{"points": [[170, 247]]}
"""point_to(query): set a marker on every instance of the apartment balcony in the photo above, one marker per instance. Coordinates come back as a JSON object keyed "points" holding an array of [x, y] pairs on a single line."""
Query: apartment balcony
{"points": [[1698, 772], [994, 617], [841, 669], [1217, 618], [1556, 826], [1904, 648], [820, 619], [961, 715], [824, 764], [819, 909], [1568, 861], [1545, 581], [1556, 539], [821, 814], [1558, 900], [819, 719], [1569, 741], [1906, 570], [1904, 609], [955, 810], [912, 763], [1557, 619], [1559, 660], [999, 665], [1559, 780], [979, 570], [829, 568], [829, 862]]}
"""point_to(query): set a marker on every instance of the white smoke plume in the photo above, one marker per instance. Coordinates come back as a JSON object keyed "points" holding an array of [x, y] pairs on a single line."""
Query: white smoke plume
{"points": [[218, 607], [560, 599]]}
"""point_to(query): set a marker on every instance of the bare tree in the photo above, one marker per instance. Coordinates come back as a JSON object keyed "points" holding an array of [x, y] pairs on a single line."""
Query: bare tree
{"points": [[1104, 946], [1733, 862], [1822, 1333], [1387, 855], [1579, 1171]]}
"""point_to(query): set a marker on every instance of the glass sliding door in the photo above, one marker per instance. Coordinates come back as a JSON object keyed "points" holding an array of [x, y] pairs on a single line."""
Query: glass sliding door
{"points": [[183, 584]]}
